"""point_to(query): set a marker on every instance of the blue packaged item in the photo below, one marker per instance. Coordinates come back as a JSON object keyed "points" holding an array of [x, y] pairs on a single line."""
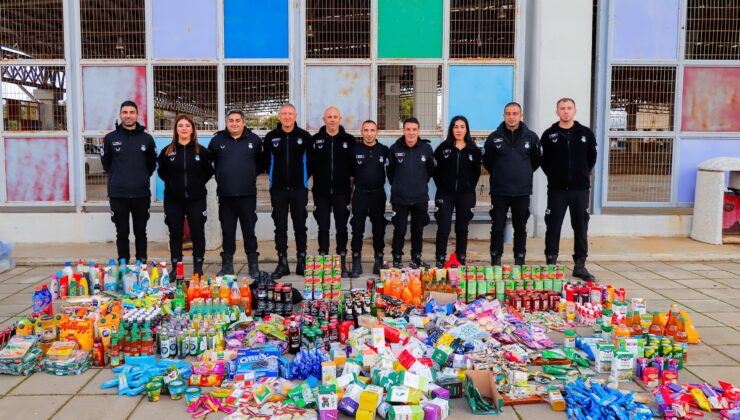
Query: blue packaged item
{"points": [[263, 361]]}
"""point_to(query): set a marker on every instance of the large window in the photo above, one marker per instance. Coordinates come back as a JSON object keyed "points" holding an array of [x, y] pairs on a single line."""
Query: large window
{"points": [[188, 90], [112, 29], [482, 28]]}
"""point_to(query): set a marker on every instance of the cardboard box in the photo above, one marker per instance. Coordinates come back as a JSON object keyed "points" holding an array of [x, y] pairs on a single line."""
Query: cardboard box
{"points": [[604, 355], [623, 365], [485, 382]]}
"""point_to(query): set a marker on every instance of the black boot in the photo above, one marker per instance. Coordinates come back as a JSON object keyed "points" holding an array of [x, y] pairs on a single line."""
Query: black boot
{"points": [[227, 265], [519, 259], [198, 266], [254, 266], [356, 265], [495, 259], [416, 261], [461, 258], [345, 272], [282, 268], [300, 265], [441, 261], [378, 264], [579, 270], [397, 261], [551, 259]]}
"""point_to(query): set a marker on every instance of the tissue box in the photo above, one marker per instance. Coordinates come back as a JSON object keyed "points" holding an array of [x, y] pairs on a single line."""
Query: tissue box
{"points": [[437, 391], [371, 397], [328, 372], [405, 412], [365, 415], [350, 402], [410, 380], [403, 394]]}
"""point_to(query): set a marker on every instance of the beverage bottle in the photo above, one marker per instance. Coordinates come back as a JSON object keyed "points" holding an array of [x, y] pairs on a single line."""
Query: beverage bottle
{"points": [[115, 352], [226, 293], [415, 288], [294, 339], [671, 327], [628, 322], [122, 269], [112, 269], [655, 327], [182, 347], [621, 331], [98, 352], [683, 338], [164, 344], [637, 325], [246, 297], [215, 291], [148, 344], [180, 273], [192, 343]]}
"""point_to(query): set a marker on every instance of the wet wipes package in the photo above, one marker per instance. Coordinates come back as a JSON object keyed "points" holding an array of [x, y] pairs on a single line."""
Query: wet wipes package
{"points": [[263, 361]]}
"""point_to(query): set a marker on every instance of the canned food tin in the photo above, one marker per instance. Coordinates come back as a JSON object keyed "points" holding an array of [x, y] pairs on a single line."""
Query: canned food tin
{"points": [[498, 273], [506, 272], [488, 272], [551, 271], [536, 272], [516, 272], [527, 272]]}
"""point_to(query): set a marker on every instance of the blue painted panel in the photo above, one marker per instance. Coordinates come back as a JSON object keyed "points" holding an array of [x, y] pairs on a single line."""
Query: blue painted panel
{"points": [[256, 29], [480, 93], [161, 143], [646, 29], [184, 28], [692, 152]]}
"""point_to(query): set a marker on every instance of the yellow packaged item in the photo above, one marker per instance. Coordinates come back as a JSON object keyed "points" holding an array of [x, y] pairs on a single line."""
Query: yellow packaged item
{"points": [[81, 330]]}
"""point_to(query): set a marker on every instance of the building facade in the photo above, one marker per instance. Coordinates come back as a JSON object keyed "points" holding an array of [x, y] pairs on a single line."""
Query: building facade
{"points": [[658, 80]]}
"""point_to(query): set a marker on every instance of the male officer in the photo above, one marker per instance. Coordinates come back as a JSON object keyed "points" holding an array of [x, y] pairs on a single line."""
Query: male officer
{"points": [[511, 155], [237, 155], [410, 166], [330, 165], [285, 161], [368, 198], [568, 156], [129, 157]]}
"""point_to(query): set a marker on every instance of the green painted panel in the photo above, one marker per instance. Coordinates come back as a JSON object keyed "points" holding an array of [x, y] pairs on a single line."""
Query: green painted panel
{"points": [[410, 28]]}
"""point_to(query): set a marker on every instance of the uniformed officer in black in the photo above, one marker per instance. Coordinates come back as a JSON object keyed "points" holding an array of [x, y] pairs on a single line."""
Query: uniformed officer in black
{"points": [[330, 165], [129, 156], [237, 155], [285, 161], [568, 156], [511, 155], [410, 166], [456, 174], [368, 197], [185, 167]]}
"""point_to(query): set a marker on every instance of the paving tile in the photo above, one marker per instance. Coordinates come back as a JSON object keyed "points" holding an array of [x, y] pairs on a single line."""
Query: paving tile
{"points": [[165, 408], [661, 284], [95, 407], [621, 282], [721, 294], [618, 266], [686, 377], [683, 293], [640, 276], [727, 266], [14, 272], [31, 407], [660, 305], [10, 288], [538, 411], [705, 305], [712, 374], [652, 265], [11, 310], [18, 299], [44, 384], [719, 335], [732, 351], [7, 382], [734, 302], [93, 387], [718, 274], [702, 284], [646, 294], [704, 355], [6, 322], [733, 282], [731, 319], [693, 266], [702, 320], [674, 274]]}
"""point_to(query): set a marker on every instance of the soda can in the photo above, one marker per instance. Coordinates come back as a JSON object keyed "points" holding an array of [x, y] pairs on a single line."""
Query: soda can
{"points": [[506, 272], [498, 273], [318, 291], [551, 271], [649, 353], [516, 272], [536, 272], [490, 287], [308, 292], [666, 350], [527, 272], [488, 272], [510, 285], [560, 271], [659, 362], [678, 352], [501, 297]]}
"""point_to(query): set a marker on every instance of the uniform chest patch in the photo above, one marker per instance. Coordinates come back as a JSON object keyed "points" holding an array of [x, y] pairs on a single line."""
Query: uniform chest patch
{"points": [[446, 153], [583, 139], [276, 142], [470, 158], [251, 146], [143, 148], [320, 143], [197, 157], [300, 141], [423, 158], [344, 145], [526, 145]]}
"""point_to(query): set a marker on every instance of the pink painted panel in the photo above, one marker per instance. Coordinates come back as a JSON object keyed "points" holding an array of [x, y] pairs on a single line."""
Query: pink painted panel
{"points": [[37, 169], [103, 90], [711, 99]]}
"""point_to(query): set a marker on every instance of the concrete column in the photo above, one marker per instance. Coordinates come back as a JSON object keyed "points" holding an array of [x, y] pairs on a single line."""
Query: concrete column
{"points": [[213, 227], [46, 108], [425, 96], [558, 64]]}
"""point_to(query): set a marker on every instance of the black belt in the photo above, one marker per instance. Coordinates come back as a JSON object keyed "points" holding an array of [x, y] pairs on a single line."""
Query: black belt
{"points": [[376, 190]]}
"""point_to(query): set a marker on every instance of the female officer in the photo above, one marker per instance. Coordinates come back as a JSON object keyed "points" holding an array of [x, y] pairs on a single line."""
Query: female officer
{"points": [[185, 167], [456, 174]]}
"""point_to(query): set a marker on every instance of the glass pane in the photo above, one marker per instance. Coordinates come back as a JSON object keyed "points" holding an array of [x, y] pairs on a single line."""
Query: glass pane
{"points": [[34, 98], [640, 169], [185, 90], [36, 169], [409, 91], [96, 180]]}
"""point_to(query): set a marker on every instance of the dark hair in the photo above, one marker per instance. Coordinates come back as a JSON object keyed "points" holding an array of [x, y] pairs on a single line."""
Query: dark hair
{"points": [[411, 120], [516, 104], [175, 137], [129, 103], [565, 100], [450, 138], [236, 111], [369, 122]]}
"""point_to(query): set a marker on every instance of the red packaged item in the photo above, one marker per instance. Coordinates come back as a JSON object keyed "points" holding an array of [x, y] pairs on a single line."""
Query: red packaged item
{"points": [[650, 377], [668, 377], [406, 359], [344, 329]]}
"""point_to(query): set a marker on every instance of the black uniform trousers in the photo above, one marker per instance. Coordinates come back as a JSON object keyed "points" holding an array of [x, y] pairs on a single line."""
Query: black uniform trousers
{"points": [[419, 218], [463, 205], [557, 202], [368, 203], [325, 205], [175, 212], [295, 202], [138, 208], [244, 210], [519, 214]]}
